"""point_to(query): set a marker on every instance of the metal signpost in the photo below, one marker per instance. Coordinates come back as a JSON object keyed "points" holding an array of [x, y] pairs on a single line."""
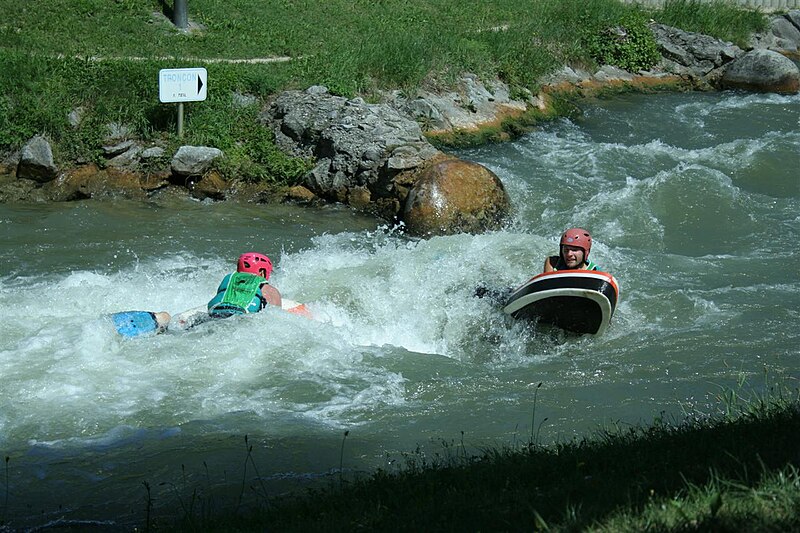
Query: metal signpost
{"points": [[182, 85], [181, 18]]}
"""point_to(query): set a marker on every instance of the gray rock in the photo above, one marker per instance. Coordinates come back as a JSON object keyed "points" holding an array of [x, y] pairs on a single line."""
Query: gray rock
{"points": [[117, 132], [783, 34], [762, 70], [118, 148], [356, 145], [152, 153], [194, 160], [784, 45], [612, 73], [243, 100], [75, 117], [793, 16], [692, 54], [36, 161], [426, 114], [129, 158], [404, 158], [566, 74], [471, 105], [783, 28]]}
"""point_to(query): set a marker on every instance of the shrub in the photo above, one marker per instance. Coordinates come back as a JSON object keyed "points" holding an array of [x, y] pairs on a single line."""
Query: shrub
{"points": [[628, 44]]}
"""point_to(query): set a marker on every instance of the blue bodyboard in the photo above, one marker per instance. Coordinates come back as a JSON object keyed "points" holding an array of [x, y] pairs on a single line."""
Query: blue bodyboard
{"points": [[135, 323]]}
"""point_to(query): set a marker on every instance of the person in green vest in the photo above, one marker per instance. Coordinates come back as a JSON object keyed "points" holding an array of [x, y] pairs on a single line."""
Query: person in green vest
{"points": [[246, 290], [573, 252]]}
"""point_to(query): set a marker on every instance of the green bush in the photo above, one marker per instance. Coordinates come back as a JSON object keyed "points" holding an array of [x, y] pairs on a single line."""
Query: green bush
{"points": [[251, 154], [628, 44]]}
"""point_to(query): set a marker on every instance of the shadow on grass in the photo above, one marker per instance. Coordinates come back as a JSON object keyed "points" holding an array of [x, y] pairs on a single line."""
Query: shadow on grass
{"points": [[167, 9], [571, 486]]}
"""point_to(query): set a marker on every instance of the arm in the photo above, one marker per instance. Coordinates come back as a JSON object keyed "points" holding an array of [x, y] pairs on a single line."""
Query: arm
{"points": [[548, 265], [271, 295]]}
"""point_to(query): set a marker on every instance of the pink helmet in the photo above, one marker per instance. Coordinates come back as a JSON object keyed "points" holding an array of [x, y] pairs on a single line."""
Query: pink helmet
{"points": [[578, 237], [255, 263]]}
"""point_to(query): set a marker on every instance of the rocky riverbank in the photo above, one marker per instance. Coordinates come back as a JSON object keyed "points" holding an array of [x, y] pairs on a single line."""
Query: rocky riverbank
{"points": [[383, 158]]}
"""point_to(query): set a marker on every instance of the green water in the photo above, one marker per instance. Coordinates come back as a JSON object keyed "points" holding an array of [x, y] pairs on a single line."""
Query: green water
{"points": [[694, 203]]}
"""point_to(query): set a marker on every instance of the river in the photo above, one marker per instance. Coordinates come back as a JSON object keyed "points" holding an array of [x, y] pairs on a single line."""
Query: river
{"points": [[694, 204]]}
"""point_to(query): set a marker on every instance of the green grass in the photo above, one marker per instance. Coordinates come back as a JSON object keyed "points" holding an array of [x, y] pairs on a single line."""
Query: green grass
{"points": [[731, 472], [719, 19], [59, 55]]}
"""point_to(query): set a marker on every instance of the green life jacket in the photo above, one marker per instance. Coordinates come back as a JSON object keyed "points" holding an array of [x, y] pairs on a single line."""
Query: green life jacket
{"points": [[240, 292]]}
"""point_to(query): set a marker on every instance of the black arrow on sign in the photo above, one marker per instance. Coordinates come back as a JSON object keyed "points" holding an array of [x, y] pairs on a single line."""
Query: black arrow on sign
{"points": [[199, 84]]}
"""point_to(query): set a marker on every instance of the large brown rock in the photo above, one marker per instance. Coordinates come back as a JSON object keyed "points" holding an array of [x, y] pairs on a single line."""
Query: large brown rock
{"points": [[455, 196], [212, 185]]}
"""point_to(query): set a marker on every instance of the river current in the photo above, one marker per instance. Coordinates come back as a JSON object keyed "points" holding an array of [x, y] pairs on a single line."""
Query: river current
{"points": [[694, 204]]}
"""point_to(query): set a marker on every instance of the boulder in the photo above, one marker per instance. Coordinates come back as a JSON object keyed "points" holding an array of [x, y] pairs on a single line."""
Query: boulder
{"points": [[764, 71], [194, 160], [793, 16], [212, 185], [782, 35], [129, 158], [690, 54], [455, 196], [783, 28], [300, 194], [359, 148], [117, 148], [36, 161]]}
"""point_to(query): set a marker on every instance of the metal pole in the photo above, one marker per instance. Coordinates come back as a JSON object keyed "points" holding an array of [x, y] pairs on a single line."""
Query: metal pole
{"points": [[180, 13], [180, 120]]}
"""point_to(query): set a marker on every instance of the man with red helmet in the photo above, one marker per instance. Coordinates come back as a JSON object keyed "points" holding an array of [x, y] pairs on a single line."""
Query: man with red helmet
{"points": [[573, 252], [247, 289]]}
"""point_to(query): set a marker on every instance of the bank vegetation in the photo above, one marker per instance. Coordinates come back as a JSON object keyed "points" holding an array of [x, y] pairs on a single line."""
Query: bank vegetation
{"points": [[727, 467], [72, 67]]}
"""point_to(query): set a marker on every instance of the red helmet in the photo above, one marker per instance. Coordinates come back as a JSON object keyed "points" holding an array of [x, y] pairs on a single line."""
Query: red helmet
{"points": [[578, 237], [255, 263]]}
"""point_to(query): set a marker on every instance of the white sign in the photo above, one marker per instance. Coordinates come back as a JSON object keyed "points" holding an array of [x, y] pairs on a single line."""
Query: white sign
{"points": [[182, 84]]}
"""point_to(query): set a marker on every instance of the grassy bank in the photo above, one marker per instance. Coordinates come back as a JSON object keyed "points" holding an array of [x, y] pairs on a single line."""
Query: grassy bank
{"points": [[736, 471], [64, 55]]}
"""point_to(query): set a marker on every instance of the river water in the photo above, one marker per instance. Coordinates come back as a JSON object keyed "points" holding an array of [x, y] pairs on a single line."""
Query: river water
{"points": [[694, 203]]}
